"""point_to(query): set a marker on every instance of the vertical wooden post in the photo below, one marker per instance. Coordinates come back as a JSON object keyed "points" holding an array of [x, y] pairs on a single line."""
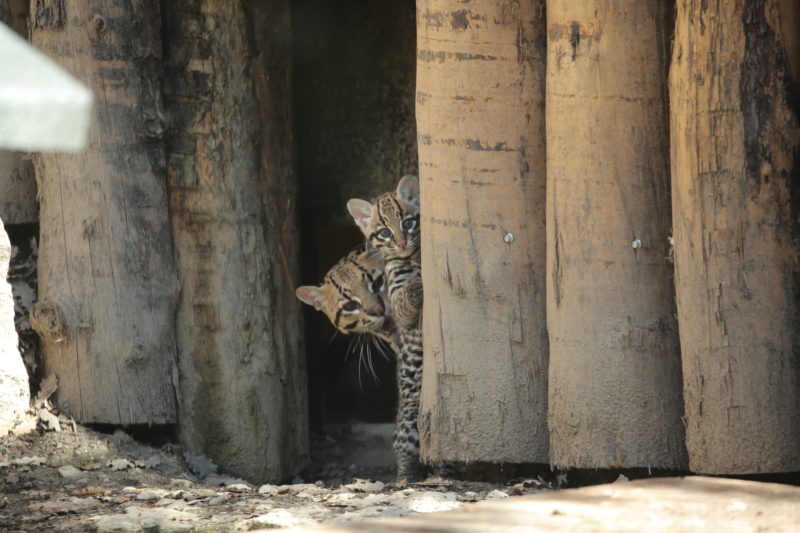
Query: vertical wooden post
{"points": [[615, 382], [480, 120], [107, 285], [736, 207], [232, 195]]}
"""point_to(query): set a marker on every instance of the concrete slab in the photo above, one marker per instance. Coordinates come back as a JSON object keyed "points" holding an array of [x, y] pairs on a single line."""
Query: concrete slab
{"points": [[653, 505]]}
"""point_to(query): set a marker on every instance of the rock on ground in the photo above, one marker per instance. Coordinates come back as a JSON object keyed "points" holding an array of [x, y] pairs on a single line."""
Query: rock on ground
{"points": [[14, 391]]}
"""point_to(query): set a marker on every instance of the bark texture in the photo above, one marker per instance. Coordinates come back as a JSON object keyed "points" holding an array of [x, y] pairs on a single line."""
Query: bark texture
{"points": [[480, 118], [232, 197], [17, 181], [107, 285], [615, 379], [736, 203]]}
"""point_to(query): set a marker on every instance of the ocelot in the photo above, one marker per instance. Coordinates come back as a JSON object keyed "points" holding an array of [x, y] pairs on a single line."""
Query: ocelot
{"points": [[353, 297], [391, 226]]}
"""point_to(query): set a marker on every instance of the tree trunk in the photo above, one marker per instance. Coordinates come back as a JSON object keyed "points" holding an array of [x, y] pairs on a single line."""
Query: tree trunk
{"points": [[17, 181], [736, 194], [480, 118], [107, 285], [615, 382], [232, 194]]}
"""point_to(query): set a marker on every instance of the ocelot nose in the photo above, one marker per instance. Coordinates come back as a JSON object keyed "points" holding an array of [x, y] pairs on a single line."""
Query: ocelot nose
{"points": [[377, 309], [402, 244]]}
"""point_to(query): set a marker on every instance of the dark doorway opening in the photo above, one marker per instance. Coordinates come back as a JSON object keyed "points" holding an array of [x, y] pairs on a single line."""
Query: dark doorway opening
{"points": [[354, 70]]}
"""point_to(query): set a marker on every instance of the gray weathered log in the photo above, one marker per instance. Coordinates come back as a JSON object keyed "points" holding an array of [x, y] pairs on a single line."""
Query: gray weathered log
{"points": [[736, 211], [480, 119], [107, 283], [232, 193], [615, 375]]}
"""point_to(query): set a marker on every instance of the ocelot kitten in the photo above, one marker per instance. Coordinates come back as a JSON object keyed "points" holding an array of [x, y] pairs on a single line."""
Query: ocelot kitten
{"points": [[391, 227], [352, 296]]}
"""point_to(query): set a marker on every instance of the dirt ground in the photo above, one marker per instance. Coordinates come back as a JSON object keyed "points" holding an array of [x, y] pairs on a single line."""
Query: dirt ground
{"points": [[78, 479]]}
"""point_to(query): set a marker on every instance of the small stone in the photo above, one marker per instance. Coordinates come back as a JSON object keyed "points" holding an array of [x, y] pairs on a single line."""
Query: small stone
{"points": [[151, 495], [71, 473], [35, 461], [239, 487], [283, 518], [496, 495], [364, 485], [219, 499], [70, 505], [431, 501], [151, 462], [268, 490], [180, 483], [49, 421], [295, 488], [120, 464]]}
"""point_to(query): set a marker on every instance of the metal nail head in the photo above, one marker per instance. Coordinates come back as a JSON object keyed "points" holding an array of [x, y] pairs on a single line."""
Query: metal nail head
{"points": [[508, 238], [636, 244]]}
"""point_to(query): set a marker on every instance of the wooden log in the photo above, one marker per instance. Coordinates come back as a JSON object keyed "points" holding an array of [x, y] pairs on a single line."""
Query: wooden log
{"points": [[615, 381], [17, 181], [107, 283], [735, 184], [232, 194], [480, 118]]}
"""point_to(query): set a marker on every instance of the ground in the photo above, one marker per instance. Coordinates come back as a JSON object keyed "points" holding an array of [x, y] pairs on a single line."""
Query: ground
{"points": [[78, 479]]}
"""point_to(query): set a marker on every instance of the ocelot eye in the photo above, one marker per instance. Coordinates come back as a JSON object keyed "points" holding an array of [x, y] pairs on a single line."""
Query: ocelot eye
{"points": [[350, 306], [385, 234], [409, 224], [377, 285]]}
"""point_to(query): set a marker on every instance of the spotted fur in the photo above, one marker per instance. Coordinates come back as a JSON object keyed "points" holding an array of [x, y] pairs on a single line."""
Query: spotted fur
{"points": [[357, 278], [353, 295], [391, 226]]}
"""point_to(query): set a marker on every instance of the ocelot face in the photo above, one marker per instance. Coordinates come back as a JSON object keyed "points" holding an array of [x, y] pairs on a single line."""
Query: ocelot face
{"points": [[353, 295], [391, 223]]}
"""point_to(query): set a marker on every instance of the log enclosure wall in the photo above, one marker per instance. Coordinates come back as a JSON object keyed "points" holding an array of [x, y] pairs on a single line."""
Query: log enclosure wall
{"points": [[480, 122], [615, 382], [107, 283], [232, 200], [735, 183]]}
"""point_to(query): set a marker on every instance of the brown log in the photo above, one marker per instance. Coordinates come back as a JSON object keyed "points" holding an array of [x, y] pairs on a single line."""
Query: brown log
{"points": [[232, 200], [615, 381], [107, 284], [17, 181], [480, 119], [735, 184]]}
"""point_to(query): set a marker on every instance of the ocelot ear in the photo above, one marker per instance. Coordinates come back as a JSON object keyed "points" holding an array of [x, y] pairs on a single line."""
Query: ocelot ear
{"points": [[408, 190], [310, 295], [361, 211]]}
